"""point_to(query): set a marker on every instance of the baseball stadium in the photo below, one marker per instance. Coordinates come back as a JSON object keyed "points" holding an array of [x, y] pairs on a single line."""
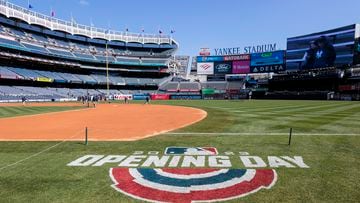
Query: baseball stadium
{"points": [[89, 114]]}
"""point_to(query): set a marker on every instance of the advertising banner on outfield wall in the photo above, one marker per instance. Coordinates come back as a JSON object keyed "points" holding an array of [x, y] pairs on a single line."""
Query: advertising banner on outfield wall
{"points": [[140, 96], [185, 97], [208, 91], [160, 97], [224, 67], [205, 68], [241, 67], [123, 96]]}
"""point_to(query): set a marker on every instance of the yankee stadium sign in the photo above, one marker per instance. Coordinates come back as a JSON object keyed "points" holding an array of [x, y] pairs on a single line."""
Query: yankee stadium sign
{"points": [[245, 50], [190, 174]]}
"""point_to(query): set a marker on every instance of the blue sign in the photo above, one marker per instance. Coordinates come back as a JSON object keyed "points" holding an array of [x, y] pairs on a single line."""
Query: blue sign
{"points": [[267, 58], [140, 96], [209, 58], [185, 97]]}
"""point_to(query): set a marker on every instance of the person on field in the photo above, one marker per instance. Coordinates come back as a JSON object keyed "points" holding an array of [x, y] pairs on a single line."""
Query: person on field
{"points": [[23, 100], [88, 100], [250, 95], [147, 100], [95, 99], [126, 100]]}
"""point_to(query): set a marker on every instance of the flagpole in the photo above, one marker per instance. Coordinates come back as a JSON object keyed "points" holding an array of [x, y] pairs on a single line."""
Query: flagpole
{"points": [[107, 71]]}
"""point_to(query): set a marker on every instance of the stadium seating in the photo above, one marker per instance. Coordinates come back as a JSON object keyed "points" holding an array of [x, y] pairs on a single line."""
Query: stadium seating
{"points": [[87, 79], [234, 85], [53, 75], [7, 74], [132, 81], [101, 79], [7, 90], [61, 52], [49, 54], [10, 43], [26, 73], [147, 81], [170, 87], [189, 87], [117, 80], [215, 85], [37, 43]]}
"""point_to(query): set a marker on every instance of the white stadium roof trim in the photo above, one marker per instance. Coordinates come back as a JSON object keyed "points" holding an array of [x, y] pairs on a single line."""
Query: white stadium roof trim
{"points": [[11, 10]]}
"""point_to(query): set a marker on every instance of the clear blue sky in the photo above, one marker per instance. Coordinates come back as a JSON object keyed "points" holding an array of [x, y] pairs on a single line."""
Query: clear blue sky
{"points": [[209, 23]]}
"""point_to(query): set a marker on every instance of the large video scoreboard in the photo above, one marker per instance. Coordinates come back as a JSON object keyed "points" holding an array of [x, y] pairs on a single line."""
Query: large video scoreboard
{"points": [[336, 47]]}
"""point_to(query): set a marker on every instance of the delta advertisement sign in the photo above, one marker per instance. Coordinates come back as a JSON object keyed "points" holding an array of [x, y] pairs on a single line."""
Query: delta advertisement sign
{"points": [[267, 62], [191, 174]]}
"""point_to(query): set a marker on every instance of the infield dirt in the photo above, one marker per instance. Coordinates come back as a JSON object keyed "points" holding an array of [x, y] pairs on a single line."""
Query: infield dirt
{"points": [[106, 122]]}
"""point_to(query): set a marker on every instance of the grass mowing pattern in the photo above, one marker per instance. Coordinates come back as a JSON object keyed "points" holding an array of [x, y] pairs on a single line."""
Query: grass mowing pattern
{"points": [[334, 161], [12, 111], [277, 116]]}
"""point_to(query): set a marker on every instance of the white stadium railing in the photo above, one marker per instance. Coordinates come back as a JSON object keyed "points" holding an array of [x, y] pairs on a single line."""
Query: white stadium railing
{"points": [[11, 10]]}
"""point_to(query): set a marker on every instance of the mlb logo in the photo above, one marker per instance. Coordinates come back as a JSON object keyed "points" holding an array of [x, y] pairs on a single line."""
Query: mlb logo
{"points": [[191, 151]]}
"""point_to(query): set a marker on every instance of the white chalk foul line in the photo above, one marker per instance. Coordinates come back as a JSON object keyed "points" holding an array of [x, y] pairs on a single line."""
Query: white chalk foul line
{"points": [[262, 133], [40, 152]]}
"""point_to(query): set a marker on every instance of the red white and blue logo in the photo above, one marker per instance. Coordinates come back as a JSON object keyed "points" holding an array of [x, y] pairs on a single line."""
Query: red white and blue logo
{"points": [[191, 151], [190, 184]]}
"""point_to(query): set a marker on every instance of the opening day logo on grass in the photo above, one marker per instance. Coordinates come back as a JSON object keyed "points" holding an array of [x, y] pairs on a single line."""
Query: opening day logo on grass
{"points": [[190, 174]]}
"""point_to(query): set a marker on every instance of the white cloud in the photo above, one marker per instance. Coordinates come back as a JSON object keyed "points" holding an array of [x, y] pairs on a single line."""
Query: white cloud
{"points": [[84, 2]]}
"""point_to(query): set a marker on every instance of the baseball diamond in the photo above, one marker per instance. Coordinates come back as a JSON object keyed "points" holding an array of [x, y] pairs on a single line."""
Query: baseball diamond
{"points": [[166, 101]]}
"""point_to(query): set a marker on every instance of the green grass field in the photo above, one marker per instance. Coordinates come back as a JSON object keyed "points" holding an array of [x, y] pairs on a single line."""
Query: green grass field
{"points": [[12, 111], [326, 135]]}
